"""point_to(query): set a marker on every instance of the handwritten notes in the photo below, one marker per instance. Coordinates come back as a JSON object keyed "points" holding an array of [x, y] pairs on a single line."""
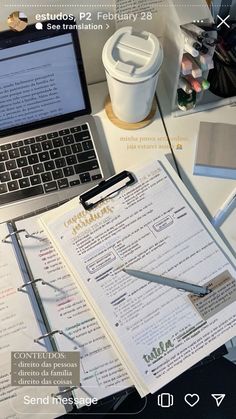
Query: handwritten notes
{"points": [[156, 331]]}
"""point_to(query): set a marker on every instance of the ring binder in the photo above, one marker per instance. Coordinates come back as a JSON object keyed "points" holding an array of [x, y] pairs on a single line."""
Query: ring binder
{"points": [[31, 282], [94, 196], [13, 233], [66, 390], [48, 334]]}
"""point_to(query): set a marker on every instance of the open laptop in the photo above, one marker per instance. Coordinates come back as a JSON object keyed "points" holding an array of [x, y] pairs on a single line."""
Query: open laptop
{"points": [[49, 146]]}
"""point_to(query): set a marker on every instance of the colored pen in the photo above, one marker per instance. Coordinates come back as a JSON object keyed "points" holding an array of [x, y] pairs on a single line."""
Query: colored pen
{"points": [[196, 69], [173, 283], [195, 29], [189, 40], [194, 83], [186, 65], [224, 209], [204, 83], [184, 84], [191, 50]]}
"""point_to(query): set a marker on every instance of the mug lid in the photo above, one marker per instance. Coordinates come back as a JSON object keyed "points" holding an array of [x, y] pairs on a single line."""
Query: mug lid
{"points": [[132, 56]]}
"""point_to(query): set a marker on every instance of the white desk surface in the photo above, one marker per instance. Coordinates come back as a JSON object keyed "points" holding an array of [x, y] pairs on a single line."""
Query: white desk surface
{"points": [[130, 148]]}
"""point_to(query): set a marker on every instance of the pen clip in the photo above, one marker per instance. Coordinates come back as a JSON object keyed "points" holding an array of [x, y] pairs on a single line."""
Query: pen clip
{"points": [[106, 188]]}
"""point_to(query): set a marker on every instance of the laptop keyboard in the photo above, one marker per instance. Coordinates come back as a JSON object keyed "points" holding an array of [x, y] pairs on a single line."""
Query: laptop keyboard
{"points": [[47, 163]]}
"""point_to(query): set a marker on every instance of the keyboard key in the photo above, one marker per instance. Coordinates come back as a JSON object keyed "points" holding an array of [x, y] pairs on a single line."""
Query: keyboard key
{"points": [[85, 177], [68, 139], [24, 151], [12, 186], [33, 159], [85, 156], [36, 148], [21, 194], [3, 189], [63, 183], [24, 183], [96, 177], [60, 162], [14, 153], [5, 147], [44, 156], [47, 145], [41, 137], [76, 148], [16, 174], [2, 167], [85, 167], [17, 144], [38, 168], [4, 155], [75, 129], [58, 142], [75, 182], [87, 145], [82, 136], [68, 171], [64, 132], [49, 165], [27, 171], [46, 177], [50, 187], [71, 160], [84, 127], [35, 180], [11, 164], [29, 141], [52, 135], [54, 154], [57, 174], [66, 151], [5, 177], [22, 161]]}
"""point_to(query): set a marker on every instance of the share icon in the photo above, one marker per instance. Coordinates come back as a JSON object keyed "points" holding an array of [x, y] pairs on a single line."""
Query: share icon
{"points": [[218, 398]]}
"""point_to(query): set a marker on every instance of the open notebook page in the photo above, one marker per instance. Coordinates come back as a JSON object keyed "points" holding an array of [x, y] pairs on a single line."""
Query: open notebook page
{"points": [[18, 328], [158, 332], [101, 372]]}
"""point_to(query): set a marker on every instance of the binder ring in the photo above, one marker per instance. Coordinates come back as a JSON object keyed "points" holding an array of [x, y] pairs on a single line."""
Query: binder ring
{"points": [[13, 233], [66, 390], [48, 334], [30, 282]]}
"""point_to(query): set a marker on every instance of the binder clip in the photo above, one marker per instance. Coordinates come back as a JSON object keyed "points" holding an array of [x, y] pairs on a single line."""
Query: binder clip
{"points": [[106, 188]]}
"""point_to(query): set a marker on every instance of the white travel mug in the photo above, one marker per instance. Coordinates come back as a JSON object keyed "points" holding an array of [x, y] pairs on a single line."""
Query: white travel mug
{"points": [[132, 61]]}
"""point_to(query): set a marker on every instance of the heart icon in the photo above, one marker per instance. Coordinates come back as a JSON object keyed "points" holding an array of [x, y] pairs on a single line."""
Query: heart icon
{"points": [[191, 399]]}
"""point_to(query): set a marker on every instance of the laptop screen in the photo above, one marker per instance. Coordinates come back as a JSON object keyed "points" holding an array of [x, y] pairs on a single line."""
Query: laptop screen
{"points": [[39, 80]]}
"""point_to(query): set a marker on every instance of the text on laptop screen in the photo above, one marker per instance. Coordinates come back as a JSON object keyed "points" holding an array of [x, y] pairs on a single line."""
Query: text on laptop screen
{"points": [[39, 80]]}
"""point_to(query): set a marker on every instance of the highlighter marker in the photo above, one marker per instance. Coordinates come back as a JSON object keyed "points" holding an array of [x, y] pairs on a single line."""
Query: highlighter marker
{"points": [[189, 40], [195, 29], [184, 85], [196, 69], [205, 84], [208, 66], [186, 65], [204, 50], [194, 83], [192, 51], [205, 59]]}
